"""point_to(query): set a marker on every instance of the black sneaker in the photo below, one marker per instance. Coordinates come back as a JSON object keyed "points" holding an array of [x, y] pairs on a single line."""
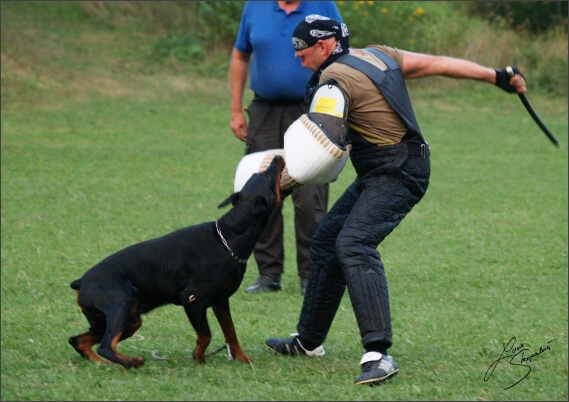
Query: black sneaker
{"points": [[292, 347], [376, 367], [265, 283]]}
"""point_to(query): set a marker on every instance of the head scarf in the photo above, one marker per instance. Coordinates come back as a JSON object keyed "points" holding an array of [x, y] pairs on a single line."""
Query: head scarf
{"points": [[313, 28]]}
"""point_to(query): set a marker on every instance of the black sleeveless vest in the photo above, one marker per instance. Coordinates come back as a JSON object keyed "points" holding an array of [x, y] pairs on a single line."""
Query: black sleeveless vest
{"points": [[392, 85], [365, 155]]}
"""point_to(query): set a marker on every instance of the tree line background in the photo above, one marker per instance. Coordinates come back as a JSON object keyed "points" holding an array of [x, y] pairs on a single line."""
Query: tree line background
{"points": [[197, 36], [200, 35]]}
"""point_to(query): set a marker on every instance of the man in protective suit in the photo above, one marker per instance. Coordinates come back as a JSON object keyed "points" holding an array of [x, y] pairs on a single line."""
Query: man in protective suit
{"points": [[391, 159]]}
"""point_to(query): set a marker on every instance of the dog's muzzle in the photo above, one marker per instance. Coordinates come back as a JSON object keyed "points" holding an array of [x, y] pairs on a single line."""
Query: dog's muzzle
{"points": [[258, 162]]}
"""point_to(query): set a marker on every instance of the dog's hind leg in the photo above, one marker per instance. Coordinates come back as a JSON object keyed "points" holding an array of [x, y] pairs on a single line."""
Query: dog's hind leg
{"points": [[132, 326], [83, 343], [223, 315], [198, 318], [108, 349], [122, 322]]}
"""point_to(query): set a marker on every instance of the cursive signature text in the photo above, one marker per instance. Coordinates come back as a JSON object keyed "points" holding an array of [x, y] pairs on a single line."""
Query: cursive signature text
{"points": [[518, 356]]}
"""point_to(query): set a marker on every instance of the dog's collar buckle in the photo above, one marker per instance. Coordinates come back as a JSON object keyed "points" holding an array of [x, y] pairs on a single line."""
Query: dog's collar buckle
{"points": [[240, 260]]}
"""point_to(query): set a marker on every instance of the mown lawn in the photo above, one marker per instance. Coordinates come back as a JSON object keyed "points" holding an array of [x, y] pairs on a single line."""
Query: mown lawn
{"points": [[482, 259], [99, 157]]}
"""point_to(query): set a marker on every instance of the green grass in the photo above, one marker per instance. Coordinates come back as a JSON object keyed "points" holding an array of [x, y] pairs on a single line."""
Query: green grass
{"points": [[95, 159]]}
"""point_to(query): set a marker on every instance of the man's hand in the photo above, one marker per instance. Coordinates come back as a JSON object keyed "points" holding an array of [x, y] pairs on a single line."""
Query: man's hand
{"points": [[238, 125], [512, 84]]}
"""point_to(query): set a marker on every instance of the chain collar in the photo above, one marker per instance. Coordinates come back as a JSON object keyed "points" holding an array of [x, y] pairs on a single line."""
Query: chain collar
{"points": [[240, 260]]}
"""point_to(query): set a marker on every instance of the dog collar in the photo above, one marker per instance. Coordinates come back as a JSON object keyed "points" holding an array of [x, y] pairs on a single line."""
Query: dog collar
{"points": [[240, 260]]}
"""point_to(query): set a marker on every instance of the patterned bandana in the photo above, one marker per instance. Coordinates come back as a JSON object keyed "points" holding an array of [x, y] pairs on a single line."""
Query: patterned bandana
{"points": [[315, 27], [309, 31]]}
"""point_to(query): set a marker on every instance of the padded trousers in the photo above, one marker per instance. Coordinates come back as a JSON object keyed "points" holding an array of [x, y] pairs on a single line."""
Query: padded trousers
{"points": [[344, 252]]}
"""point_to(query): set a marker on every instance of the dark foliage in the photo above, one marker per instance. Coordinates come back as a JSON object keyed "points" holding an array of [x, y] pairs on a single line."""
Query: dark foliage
{"points": [[533, 16]]}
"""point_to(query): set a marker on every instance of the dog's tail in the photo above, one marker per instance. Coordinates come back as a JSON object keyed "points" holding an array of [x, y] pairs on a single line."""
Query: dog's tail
{"points": [[76, 284]]}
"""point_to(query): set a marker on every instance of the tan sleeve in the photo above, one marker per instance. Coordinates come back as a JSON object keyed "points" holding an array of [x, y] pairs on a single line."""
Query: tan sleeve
{"points": [[369, 114]]}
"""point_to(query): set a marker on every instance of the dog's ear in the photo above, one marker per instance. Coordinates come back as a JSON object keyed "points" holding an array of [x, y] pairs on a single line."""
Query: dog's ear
{"points": [[233, 198], [260, 205]]}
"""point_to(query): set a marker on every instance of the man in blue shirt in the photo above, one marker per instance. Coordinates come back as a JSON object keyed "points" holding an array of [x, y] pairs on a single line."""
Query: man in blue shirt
{"points": [[278, 81]]}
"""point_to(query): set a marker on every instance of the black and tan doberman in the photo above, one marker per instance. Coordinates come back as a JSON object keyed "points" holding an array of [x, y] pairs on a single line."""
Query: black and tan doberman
{"points": [[196, 267]]}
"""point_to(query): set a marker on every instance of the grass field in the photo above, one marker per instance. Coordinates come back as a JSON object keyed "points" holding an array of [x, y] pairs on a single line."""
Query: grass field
{"points": [[98, 161]]}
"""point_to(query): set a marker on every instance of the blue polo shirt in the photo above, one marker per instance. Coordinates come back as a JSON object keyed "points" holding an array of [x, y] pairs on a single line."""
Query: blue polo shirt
{"points": [[266, 31]]}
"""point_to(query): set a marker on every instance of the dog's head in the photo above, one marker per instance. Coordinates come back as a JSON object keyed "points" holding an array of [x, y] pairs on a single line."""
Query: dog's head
{"points": [[262, 190]]}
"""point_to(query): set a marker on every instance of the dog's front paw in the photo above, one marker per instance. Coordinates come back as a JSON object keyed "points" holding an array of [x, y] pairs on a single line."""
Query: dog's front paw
{"points": [[200, 357], [241, 356], [244, 359]]}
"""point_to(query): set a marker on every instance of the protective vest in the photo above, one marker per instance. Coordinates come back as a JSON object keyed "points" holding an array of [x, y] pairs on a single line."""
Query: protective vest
{"points": [[392, 85], [367, 157]]}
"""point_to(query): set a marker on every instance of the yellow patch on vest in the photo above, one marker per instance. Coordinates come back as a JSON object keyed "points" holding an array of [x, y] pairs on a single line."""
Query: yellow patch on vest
{"points": [[327, 106]]}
